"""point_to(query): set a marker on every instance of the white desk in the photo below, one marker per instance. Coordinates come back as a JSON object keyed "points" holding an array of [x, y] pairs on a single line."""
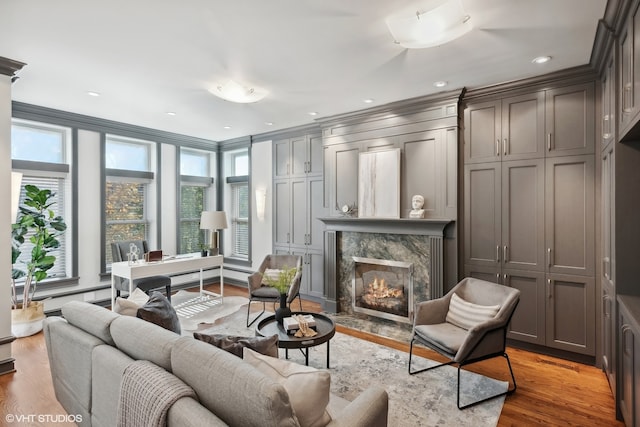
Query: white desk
{"points": [[180, 264]]}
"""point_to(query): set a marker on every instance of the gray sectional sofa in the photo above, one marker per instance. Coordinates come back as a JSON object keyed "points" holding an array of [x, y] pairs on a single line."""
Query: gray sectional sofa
{"points": [[90, 347]]}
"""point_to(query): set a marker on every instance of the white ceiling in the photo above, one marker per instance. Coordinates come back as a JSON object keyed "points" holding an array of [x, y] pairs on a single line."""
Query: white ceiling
{"points": [[149, 57]]}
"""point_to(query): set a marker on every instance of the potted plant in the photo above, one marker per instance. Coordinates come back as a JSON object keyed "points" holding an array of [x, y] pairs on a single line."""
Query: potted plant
{"points": [[282, 282], [204, 250], [36, 223]]}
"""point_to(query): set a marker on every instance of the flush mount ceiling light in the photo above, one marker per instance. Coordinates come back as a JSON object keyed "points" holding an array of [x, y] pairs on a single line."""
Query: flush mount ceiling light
{"points": [[235, 92], [541, 59], [433, 27], [440, 83]]}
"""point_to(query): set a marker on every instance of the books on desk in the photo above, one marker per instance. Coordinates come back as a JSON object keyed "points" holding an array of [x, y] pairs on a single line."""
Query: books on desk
{"points": [[291, 324]]}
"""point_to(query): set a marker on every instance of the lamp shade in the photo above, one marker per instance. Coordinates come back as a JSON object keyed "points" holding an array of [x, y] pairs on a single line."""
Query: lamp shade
{"points": [[213, 220]]}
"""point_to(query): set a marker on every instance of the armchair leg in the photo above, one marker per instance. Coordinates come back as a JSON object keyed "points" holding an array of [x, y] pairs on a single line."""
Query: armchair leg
{"points": [[509, 391], [424, 369], [257, 317]]}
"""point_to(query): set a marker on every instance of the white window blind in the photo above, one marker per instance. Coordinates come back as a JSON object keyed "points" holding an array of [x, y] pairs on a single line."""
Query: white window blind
{"points": [[240, 219]]}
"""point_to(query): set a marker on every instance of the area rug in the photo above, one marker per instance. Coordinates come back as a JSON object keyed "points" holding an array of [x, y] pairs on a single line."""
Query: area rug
{"points": [[425, 399], [193, 311]]}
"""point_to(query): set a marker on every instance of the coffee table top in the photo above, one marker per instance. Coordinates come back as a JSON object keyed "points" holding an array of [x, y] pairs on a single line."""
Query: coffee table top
{"points": [[325, 327]]}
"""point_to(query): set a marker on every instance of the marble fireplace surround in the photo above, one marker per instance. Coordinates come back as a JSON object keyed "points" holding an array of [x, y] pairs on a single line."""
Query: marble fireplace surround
{"points": [[417, 241]]}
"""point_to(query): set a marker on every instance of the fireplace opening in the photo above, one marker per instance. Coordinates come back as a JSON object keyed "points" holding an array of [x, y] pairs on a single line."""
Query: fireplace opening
{"points": [[383, 288]]}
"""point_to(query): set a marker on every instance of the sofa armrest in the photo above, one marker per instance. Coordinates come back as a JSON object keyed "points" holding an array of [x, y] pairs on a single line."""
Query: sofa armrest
{"points": [[369, 409]]}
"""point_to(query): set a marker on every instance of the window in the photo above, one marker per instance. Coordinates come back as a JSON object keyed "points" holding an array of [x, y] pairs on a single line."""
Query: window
{"points": [[196, 194], [238, 185], [127, 192], [39, 152]]}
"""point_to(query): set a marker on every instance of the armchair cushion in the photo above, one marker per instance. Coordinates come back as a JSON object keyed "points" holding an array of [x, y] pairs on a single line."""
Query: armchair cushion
{"points": [[466, 315], [446, 336]]}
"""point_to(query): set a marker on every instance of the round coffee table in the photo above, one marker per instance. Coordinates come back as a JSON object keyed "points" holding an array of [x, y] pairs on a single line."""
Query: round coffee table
{"points": [[325, 328]]}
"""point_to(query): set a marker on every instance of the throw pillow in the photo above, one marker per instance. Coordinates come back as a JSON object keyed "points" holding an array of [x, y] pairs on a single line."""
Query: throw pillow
{"points": [[466, 315], [308, 388], [129, 306], [158, 310], [271, 273], [234, 345]]}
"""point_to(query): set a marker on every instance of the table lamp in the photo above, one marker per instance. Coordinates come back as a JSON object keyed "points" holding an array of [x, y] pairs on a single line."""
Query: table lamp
{"points": [[214, 221]]}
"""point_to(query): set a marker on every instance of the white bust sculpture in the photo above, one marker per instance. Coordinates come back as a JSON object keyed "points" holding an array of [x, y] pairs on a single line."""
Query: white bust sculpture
{"points": [[417, 202]]}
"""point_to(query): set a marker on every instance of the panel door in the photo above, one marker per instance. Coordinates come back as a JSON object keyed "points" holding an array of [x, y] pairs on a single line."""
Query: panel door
{"points": [[281, 213], [298, 156], [305, 280], [608, 102], [570, 120], [483, 214], [315, 155], [315, 269], [299, 212], [281, 159], [315, 198], [523, 126], [609, 337], [626, 73], [523, 215], [482, 133], [627, 370], [490, 274], [570, 216], [570, 313], [607, 246], [528, 321]]}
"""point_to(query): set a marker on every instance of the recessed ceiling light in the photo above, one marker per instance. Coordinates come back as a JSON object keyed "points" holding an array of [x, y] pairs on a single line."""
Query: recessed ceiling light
{"points": [[541, 59], [92, 93], [440, 83], [226, 127], [268, 123], [313, 113], [367, 101], [171, 113]]}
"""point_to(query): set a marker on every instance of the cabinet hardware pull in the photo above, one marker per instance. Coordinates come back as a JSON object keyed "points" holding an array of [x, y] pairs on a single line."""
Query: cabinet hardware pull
{"points": [[497, 147], [288, 238], [549, 141], [497, 253], [498, 278], [505, 278], [549, 288], [549, 257], [504, 146], [504, 254]]}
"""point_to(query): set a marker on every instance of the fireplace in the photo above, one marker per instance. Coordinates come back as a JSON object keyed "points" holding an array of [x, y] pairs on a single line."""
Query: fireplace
{"points": [[383, 288]]}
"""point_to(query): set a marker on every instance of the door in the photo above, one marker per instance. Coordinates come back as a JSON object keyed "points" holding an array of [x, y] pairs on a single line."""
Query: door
{"points": [[523, 126], [315, 157], [570, 117], [315, 197], [298, 156], [483, 133], [570, 216], [299, 212], [281, 159], [528, 321], [282, 213]]}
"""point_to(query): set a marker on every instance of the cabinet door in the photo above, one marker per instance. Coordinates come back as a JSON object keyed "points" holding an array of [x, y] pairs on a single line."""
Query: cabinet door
{"points": [[608, 102], [570, 313], [281, 159], [528, 321], [315, 197], [609, 337], [570, 120], [304, 281], [298, 156], [489, 274], [608, 213], [627, 371], [570, 216], [523, 215], [299, 212], [482, 214], [482, 133], [523, 126], [315, 156], [281, 213], [627, 102], [315, 269]]}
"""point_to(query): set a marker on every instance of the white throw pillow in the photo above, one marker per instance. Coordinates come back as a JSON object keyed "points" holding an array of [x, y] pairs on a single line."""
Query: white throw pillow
{"points": [[129, 306], [308, 388], [466, 315], [271, 273]]}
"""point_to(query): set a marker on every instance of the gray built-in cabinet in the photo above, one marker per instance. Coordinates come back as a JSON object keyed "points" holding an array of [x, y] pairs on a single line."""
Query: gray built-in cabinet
{"points": [[529, 209], [298, 201]]}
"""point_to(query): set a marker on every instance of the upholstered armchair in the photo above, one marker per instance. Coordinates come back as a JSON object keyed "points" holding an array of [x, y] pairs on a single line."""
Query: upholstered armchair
{"points": [[259, 291], [119, 251], [467, 325]]}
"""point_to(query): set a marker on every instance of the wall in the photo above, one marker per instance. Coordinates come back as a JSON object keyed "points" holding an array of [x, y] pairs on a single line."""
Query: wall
{"points": [[261, 230]]}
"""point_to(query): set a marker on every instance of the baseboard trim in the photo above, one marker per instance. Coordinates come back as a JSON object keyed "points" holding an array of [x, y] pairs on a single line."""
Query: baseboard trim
{"points": [[7, 366], [7, 340]]}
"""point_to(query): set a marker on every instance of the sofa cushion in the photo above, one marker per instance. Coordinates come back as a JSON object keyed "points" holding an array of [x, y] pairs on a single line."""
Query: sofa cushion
{"points": [[143, 340], [129, 306], [466, 315], [234, 344], [90, 318], [229, 387], [308, 388], [158, 310]]}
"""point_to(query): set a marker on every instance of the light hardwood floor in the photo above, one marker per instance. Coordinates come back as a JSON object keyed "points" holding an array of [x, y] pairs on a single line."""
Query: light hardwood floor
{"points": [[551, 391]]}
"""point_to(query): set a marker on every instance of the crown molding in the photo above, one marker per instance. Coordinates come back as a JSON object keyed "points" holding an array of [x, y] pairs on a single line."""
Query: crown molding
{"points": [[288, 132], [8, 67]]}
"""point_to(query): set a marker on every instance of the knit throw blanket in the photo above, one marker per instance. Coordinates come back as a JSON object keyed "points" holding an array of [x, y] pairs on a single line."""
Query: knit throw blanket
{"points": [[146, 394]]}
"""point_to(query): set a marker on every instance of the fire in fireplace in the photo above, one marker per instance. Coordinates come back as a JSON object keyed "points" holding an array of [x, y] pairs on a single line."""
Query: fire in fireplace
{"points": [[383, 288]]}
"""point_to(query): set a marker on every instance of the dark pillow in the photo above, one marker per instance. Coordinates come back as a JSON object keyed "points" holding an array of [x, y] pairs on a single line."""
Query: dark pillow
{"points": [[234, 345], [158, 310]]}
